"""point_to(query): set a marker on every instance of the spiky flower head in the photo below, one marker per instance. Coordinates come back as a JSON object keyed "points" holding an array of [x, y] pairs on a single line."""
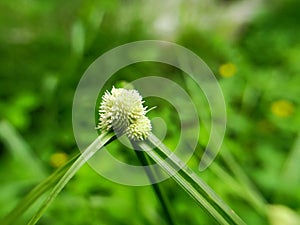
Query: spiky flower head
{"points": [[122, 110]]}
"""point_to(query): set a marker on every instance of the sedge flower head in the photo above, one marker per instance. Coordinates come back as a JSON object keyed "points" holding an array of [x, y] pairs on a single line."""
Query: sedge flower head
{"points": [[122, 111]]}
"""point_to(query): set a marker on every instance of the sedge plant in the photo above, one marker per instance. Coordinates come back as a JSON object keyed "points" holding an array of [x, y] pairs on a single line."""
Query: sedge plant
{"points": [[122, 112]]}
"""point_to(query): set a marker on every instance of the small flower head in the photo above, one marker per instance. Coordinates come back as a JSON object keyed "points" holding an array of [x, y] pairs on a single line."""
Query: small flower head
{"points": [[139, 130], [122, 110], [58, 159], [227, 70], [282, 108]]}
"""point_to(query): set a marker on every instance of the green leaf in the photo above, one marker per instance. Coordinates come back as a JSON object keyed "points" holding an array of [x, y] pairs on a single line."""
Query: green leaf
{"points": [[99, 142], [20, 149], [191, 182], [158, 191], [37, 192]]}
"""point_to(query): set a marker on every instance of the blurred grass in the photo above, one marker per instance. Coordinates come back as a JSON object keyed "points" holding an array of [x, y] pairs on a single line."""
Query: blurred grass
{"points": [[46, 46]]}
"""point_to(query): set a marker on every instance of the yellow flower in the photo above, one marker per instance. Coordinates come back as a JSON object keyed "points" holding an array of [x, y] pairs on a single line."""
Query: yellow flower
{"points": [[58, 159], [282, 108], [227, 70]]}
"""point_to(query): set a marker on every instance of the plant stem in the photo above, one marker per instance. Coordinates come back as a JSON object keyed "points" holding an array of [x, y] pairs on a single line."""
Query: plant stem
{"points": [[87, 154], [191, 182], [163, 201]]}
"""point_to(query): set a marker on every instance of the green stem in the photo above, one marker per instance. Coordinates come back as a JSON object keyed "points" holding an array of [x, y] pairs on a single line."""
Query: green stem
{"points": [[191, 183], [141, 156], [87, 154]]}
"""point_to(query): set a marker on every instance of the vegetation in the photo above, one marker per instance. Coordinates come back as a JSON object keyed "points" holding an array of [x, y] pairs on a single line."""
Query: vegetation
{"points": [[251, 46]]}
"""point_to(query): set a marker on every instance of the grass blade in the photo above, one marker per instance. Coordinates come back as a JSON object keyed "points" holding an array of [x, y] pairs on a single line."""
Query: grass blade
{"points": [[20, 150], [250, 191], [38, 191], [191, 183], [88, 153]]}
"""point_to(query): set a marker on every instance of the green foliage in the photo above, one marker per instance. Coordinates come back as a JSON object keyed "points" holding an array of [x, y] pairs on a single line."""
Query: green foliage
{"points": [[47, 45]]}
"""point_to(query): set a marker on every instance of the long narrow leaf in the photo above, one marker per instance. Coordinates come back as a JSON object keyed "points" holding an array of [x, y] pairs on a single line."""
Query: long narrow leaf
{"points": [[191, 182], [20, 150], [38, 191], [151, 175], [87, 154]]}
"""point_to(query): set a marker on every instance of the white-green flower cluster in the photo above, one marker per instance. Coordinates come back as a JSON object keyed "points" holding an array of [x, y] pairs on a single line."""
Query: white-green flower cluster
{"points": [[122, 111]]}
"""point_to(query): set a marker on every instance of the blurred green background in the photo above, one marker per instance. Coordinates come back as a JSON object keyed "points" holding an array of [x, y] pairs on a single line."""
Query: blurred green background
{"points": [[253, 49]]}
